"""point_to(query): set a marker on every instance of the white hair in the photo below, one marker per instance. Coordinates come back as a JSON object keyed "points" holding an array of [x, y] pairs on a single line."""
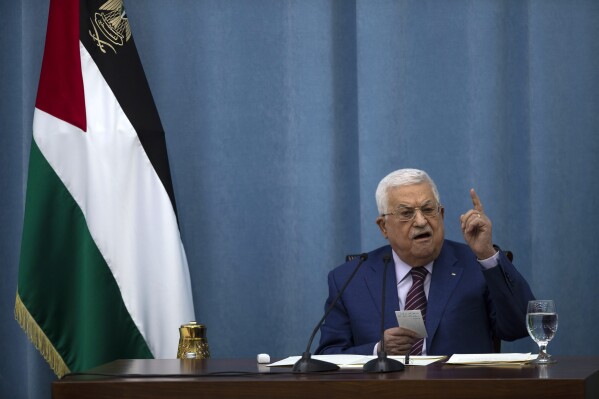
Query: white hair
{"points": [[401, 177]]}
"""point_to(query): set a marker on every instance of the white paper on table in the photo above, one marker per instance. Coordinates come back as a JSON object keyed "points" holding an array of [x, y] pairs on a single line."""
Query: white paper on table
{"points": [[357, 361], [336, 359], [412, 320], [491, 358], [414, 361]]}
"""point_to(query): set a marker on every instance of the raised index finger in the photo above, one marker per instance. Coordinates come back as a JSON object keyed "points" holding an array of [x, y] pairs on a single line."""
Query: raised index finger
{"points": [[476, 201]]}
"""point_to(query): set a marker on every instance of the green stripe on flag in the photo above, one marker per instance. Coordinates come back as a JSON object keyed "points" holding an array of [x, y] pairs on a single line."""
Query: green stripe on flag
{"points": [[64, 282]]}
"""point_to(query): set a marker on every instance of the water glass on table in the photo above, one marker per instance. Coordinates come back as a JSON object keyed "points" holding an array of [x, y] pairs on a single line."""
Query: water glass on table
{"points": [[541, 322]]}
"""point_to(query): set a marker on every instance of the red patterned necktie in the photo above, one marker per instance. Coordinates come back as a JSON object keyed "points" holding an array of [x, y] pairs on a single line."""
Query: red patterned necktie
{"points": [[416, 300]]}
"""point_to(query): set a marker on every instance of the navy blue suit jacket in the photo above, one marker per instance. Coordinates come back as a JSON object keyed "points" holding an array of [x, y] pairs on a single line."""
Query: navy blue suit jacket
{"points": [[467, 305]]}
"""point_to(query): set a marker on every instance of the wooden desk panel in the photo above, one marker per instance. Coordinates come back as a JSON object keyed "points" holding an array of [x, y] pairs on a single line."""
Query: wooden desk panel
{"points": [[571, 377]]}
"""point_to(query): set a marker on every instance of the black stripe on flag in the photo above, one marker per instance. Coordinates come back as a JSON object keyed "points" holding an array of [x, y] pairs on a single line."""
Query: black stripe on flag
{"points": [[103, 31]]}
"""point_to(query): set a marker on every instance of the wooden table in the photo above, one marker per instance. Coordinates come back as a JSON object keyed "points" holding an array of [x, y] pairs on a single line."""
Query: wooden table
{"points": [[570, 377]]}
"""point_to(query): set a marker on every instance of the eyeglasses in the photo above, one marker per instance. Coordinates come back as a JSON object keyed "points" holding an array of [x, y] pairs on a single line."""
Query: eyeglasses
{"points": [[407, 213]]}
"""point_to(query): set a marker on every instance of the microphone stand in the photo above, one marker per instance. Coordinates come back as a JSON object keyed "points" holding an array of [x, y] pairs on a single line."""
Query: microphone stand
{"points": [[308, 365], [382, 364]]}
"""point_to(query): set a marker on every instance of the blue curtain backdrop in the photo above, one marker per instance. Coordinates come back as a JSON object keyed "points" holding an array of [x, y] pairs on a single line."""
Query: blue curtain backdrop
{"points": [[282, 116]]}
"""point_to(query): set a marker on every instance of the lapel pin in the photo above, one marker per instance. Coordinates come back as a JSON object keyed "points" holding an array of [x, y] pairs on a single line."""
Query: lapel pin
{"points": [[453, 274]]}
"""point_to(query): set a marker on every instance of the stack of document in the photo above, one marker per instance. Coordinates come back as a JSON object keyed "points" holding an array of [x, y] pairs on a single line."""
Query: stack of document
{"points": [[357, 361], [485, 359]]}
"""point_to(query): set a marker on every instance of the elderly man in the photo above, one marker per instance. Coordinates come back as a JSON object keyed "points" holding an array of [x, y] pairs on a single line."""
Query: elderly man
{"points": [[469, 295]]}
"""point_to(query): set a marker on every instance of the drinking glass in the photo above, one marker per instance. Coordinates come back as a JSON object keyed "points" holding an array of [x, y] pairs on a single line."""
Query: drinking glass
{"points": [[541, 322]]}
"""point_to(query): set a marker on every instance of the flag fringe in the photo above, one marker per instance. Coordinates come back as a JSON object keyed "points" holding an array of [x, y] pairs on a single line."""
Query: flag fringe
{"points": [[39, 339]]}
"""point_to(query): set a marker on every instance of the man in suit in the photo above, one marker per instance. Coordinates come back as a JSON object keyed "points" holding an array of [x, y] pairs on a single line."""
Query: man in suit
{"points": [[473, 292]]}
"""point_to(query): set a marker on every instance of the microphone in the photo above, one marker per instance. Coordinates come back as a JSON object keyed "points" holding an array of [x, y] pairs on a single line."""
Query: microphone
{"points": [[382, 364], [308, 365]]}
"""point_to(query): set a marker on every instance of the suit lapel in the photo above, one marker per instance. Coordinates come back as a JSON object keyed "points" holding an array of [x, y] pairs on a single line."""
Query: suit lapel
{"points": [[374, 282], [445, 278]]}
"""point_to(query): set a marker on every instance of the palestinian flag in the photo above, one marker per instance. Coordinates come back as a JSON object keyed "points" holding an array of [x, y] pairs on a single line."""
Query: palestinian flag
{"points": [[103, 273]]}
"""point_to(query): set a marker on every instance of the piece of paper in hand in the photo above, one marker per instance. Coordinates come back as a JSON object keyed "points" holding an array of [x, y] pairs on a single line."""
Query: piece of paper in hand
{"points": [[412, 320]]}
